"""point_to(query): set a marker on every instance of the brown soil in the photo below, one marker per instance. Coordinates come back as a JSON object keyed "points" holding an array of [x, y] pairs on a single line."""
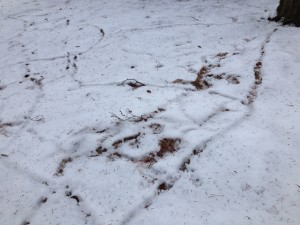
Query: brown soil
{"points": [[199, 83], [164, 187], [167, 145], [62, 165]]}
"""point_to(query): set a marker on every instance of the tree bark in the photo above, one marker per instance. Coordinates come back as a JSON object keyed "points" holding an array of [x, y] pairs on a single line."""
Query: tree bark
{"points": [[288, 12]]}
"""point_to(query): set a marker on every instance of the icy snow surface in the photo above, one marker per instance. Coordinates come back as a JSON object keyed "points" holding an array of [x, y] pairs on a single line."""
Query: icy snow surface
{"points": [[148, 112]]}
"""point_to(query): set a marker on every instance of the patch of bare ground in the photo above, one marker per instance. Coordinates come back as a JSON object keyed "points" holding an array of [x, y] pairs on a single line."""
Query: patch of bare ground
{"points": [[163, 187], [99, 151], [222, 55], [232, 79], [149, 159], [75, 197], [251, 96], [9, 124], [199, 83], [98, 131], [217, 76], [168, 145], [184, 165], [211, 66], [133, 139], [114, 155], [156, 128], [37, 81], [257, 73], [62, 166], [43, 200], [2, 125], [181, 81], [258, 80]]}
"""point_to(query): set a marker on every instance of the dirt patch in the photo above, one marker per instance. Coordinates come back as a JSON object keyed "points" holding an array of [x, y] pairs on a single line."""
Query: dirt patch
{"points": [[114, 155], [133, 139], [6, 125], [149, 159], [213, 65], [145, 117], [117, 143], [218, 76], [258, 80], [183, 166], [38, 82], [62, 166], [232, 79], [199, 83], [156, 128], [70, 195], [167, 145], [99, 151], [43, 200], [76, 198], [101, 131], [198, 151], [202, 80], [251, 96], [257, 73], [164, 187], [181, 81], [221, 55]]}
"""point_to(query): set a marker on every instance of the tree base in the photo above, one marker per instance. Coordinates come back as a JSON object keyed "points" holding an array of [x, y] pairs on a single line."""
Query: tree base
{"points": [[288, 12]]}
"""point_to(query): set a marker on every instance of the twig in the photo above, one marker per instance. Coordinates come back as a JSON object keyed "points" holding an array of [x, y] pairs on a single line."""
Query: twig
{"points": [[133, 83]]}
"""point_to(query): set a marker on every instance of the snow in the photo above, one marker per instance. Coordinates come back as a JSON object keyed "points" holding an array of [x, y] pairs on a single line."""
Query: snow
{"points": [[102, 121]]}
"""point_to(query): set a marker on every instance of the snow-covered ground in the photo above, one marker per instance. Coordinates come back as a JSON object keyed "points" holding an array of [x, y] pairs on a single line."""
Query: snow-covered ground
{"points": [[148, 112]]}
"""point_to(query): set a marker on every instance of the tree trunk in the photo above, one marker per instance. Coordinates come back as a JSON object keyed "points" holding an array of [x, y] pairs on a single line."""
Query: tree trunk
{"points": [[288, 12]]}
